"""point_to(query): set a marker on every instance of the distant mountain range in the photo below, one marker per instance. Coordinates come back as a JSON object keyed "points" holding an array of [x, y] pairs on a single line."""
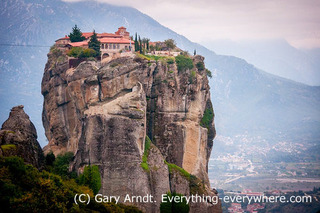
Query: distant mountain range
{"points": [[245, 98], [275, 56]]}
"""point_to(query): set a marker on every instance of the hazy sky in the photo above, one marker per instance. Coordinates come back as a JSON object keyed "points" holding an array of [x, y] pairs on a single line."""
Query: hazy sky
{"points": [[297, 21]]}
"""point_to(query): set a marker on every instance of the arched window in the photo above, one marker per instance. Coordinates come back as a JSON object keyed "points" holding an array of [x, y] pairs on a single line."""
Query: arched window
{"points": [[106, 46], [114, 46]]}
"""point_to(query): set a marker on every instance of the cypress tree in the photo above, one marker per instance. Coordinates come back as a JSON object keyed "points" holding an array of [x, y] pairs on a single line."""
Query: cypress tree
{"points": [[136, 46], [140, 45]]}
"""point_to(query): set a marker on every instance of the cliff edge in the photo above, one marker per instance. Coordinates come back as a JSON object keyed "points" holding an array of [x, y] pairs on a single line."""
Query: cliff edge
{"points": [[105, 114]]}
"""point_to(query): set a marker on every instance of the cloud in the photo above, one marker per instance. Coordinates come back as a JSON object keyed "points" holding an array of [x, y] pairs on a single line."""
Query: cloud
{"points": [[204, 20]]}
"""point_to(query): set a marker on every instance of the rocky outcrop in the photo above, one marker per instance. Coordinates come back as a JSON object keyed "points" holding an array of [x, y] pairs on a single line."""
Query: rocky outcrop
{"points": [[103, 113], [18, 136]]}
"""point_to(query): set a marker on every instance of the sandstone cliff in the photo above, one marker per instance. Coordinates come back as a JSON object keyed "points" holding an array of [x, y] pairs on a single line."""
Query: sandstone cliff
{"points": [[104, 112], [18, 136]]}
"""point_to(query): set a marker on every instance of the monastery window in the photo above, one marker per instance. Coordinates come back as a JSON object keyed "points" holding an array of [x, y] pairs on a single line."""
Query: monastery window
{"points": [[114, 46]]}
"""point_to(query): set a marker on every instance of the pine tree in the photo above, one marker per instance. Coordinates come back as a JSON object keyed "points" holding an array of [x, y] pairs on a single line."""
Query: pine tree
{"points": [[195, 52], [76, 35], [94, 43]]}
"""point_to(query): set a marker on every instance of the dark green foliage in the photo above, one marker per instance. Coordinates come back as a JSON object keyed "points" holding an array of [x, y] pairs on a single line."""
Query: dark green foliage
{"points": [[207, 118], [50, 158], [136, 43], [79, 52], [209, 74], [75, 52], [170, 44], [91, 178], [25, 189], [200, 66], [170, 61], [76, 35], [173, 207], [88, 53], [144, 163], [140, 45], [183, 63], [172, 167], [94, 44], [61, 166]]}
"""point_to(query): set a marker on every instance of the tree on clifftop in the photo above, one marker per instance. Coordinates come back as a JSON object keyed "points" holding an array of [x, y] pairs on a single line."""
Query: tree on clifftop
{"points": [[76, 35], [94, 43], [170, 43]]}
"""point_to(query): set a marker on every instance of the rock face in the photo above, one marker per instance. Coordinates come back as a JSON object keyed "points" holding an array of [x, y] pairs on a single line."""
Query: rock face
{"points": [[18, 136], [103, 113]]}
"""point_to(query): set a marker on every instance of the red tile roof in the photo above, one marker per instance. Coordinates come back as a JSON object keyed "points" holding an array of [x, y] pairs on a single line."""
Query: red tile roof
{"points": [[108, 35], [115, 40], [79, 44]]}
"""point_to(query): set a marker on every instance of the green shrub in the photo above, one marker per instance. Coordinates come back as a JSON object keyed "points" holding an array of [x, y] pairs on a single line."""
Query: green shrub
{"points": [[144, 163], [172, 167], [209, 74], [170, 61], [25, 189], [172, 207], [50, 158], [91, 178], [61, 166], [207, 118], [75, 52], [8, 147], [200, 66], [183, 63], [87, 53]]}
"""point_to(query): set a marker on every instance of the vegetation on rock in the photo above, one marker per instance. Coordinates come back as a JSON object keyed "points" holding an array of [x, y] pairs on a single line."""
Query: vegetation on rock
{"points": [[207, 118], [183, 63], [200, 66], [79, 52], [61, 166], [91, 177], [170, 43], [144, 163], [25, 189]]}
